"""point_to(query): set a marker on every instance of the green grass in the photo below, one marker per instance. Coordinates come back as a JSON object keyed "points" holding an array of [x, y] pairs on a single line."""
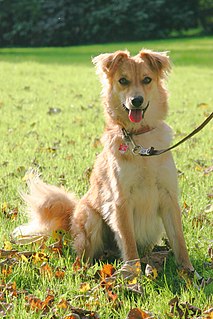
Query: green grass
{"points": [[63, 146]]}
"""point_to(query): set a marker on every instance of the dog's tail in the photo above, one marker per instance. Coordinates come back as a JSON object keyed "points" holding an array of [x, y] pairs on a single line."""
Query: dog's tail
{"points": [[50, 208]]}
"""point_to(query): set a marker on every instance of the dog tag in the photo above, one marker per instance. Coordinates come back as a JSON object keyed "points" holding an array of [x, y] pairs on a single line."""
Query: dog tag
{"points": [[123, 148]]}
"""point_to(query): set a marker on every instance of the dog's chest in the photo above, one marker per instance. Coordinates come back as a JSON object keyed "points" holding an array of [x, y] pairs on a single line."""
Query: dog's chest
{"points": [[137, 176], [139, 183]]}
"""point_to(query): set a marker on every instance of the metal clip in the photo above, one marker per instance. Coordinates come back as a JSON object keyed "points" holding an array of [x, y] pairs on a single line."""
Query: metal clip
{"points": [[137, 149], [145, 151]]}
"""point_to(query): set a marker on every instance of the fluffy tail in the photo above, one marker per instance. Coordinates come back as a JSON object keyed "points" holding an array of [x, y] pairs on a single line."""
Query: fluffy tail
{"points": [[49, 208]]}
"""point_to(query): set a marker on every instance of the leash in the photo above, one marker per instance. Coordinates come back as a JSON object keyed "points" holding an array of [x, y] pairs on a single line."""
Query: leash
{"points": [[151, 151]]}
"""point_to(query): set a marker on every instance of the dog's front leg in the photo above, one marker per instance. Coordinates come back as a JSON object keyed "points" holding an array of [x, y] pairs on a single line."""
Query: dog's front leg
{"points": [[171, 216], [123, 227]]}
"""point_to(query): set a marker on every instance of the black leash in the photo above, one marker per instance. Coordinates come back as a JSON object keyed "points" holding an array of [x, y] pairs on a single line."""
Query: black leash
{"points": [[151, 151]]}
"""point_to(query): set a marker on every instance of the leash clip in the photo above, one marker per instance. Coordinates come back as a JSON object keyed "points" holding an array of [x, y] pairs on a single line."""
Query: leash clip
{"points": [[142, 151]]}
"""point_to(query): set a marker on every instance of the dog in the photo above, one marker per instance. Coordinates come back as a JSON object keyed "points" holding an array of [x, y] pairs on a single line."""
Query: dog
{"points": [[132, 200]]}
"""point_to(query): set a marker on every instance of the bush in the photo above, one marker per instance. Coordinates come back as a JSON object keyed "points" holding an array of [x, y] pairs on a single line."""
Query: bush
{"points": [[68, 22]]}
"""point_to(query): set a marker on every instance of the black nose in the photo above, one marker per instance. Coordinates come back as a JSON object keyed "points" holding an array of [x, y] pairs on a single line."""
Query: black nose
{"points": [[137, 101]]}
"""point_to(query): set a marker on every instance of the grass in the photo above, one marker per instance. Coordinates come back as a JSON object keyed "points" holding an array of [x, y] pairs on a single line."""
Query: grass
{"points": [[63, 146]]}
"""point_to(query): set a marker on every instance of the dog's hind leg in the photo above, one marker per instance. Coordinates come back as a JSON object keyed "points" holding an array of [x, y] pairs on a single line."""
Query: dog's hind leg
{"points": [[87, 231]]}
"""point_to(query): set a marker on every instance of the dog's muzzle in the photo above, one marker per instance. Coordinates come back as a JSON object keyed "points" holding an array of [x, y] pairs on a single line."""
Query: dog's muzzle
{"points": [[136, 113]]}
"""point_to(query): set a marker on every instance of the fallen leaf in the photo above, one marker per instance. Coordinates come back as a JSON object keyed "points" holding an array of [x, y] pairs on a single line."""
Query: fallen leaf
{"points": [[63, 304], [5, 308], [8, 245], [208, 170], [46, 270], [209, 208], [157, 258], [151, 272], [59, 273], [77, 265], [7, 253], [107, 271], [82, 313], [12, 214], [208, 314], [199, 220], [135, 288], [72, 316], [129, 270], [54, 110], [112, 296], [84, 287], [28, 239], [183, 309], [137, 313], [39, 257], [6, 270], [186, 208], [4, 207], [37, 304]]}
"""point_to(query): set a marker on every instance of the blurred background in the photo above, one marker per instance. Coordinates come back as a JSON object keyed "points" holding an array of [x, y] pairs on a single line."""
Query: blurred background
{"points": [[36, 23]]}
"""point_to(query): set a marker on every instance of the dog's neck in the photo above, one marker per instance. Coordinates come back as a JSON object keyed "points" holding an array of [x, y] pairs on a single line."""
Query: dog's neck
{"points": [[141, 130]]}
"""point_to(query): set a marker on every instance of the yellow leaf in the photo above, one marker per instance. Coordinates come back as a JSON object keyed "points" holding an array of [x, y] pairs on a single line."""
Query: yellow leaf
{"points": [[133, 281], [6, 271], [84, 287], [58, 234], [24, 258], [155, 273], [39, 257], [4, 207], [151, 272], [8, 245], [63, 304]]}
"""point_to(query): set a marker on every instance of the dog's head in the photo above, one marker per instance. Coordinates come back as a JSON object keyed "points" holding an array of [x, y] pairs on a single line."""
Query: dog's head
{"points": [[133, 86]]}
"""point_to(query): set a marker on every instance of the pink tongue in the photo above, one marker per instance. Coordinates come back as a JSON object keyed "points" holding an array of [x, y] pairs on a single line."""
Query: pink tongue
{"points": [[135, 116]]}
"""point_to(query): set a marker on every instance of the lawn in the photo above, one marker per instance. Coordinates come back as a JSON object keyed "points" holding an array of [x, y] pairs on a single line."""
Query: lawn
{"points": [[51, 120]]}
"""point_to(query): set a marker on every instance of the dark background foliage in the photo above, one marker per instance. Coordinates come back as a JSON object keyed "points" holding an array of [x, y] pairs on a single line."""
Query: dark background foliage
{"points": [[71, 22]]}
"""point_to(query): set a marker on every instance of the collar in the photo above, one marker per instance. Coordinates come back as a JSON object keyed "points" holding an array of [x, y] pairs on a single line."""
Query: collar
{"points": [[142, 130]]}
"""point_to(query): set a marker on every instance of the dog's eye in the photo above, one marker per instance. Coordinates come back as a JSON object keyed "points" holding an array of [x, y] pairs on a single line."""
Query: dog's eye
{"points": [[123, 81], [146, 80]]}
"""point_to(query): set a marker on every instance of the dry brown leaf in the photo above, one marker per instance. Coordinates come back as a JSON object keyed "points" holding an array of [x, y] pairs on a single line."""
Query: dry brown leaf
{"points": [[12, 214], [208, 314], [60, 273], [137, 313], [107, 271], [46, 270], [63, 304], [36, 304], [72, 316], [5, 308], [156, 259], [183, 309]]}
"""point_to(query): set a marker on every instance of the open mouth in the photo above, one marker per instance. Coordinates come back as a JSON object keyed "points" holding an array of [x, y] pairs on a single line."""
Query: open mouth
{"points": [[136, 114]]}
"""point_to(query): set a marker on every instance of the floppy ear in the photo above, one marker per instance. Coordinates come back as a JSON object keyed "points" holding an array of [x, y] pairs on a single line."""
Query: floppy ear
{"points": [[109, 62], [158, 61]]}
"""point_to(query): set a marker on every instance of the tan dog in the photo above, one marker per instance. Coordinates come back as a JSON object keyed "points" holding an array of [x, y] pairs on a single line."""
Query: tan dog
{"points": [[131, 199]]}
